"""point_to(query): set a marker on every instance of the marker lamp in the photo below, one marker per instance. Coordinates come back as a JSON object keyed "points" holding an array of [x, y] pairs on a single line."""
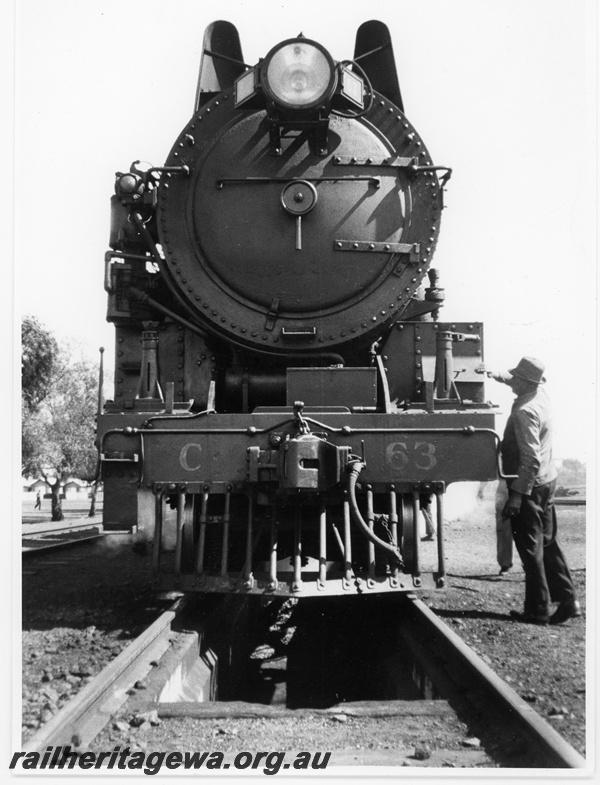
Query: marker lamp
{"points": [[353, 88], [245, 87]]}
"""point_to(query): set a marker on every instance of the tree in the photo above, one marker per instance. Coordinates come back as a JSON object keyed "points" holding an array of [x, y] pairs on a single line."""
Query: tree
{"points": [[39, 353], [572, 472], [59, 432], [38, 357]]}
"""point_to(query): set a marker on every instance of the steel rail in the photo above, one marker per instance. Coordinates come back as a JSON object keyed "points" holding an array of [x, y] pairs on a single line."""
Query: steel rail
{"points": [[44, 543], [82, 718], [62, 530], [53, 546], [558, 751]]}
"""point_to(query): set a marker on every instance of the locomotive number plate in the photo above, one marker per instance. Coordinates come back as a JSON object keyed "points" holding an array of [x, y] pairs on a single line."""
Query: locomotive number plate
{"points": [[400, 455]]}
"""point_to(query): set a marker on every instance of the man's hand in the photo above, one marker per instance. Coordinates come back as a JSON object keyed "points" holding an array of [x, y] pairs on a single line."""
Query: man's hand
{"points": [[498, 376], [489, 372], [513, 505]]}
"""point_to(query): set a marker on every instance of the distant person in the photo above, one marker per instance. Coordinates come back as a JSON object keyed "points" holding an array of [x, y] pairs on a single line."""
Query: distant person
{"points": [[504, 538], [425, 505], [38, 501], [527, 453]]}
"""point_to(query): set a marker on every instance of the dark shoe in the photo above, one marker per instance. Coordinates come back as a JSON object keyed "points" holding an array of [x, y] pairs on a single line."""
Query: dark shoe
{"points": [[429, 538], [504, 570], [566, 611], [530, 618]]}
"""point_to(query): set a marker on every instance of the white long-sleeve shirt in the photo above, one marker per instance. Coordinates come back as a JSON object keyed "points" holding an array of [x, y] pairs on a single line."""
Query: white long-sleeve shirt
{"points": [[527, 442]]}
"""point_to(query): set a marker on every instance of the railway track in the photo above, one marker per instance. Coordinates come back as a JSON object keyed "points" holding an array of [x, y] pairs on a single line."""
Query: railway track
{"points": [[570, 501], [80, 720], [447, 663], [179, 680], [52, 539]]}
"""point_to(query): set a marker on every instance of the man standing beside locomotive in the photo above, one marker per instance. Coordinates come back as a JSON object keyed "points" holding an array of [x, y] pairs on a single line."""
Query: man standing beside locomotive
{"points": [[527, 453]]}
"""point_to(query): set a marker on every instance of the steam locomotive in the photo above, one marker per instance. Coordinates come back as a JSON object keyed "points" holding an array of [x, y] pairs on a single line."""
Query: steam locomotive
{"points": [[286, 396]]}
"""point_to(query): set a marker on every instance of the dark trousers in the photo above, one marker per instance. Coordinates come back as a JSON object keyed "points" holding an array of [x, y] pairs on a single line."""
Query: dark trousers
{"points": [[547, 576]]}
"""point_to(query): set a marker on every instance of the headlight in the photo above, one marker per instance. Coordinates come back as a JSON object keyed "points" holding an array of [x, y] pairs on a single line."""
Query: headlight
{"points": [[299, 74]]}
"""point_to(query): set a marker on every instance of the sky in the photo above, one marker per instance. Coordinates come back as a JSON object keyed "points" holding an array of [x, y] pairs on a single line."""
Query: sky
{"points": [[502, 91]]}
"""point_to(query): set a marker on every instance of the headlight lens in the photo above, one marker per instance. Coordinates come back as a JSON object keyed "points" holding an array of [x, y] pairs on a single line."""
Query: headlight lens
{"points": [[299, 74]]}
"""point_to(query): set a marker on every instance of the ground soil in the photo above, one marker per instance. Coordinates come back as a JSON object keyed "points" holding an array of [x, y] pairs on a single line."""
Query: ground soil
{"points": [[81, 607], [544, 665]]}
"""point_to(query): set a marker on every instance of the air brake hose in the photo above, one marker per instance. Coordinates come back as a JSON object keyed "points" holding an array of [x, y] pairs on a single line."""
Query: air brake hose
{"points": [[355, 468]]}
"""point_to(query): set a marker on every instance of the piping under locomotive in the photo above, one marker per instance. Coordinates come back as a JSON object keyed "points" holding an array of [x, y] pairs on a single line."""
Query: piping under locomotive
{"points": [[286, 396]]}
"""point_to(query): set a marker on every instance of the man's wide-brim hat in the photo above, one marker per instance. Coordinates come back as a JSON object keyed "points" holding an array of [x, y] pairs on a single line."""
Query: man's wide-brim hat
{"points": [[530, 369]]}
